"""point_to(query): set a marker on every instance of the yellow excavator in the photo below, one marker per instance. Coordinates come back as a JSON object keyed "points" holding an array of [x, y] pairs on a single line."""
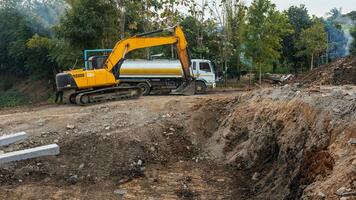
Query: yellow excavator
{"points": [[85, 86]]}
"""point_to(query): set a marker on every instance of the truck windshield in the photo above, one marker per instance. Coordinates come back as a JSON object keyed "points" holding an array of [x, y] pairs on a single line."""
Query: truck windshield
{"points": [[204, 66]]}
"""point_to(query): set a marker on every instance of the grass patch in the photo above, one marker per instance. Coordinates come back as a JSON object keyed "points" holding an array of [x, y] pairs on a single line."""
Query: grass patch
{"points": [[12, 98]]}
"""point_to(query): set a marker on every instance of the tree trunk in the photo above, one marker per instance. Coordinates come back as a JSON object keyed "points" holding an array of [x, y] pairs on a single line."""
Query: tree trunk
{"points": [[238, 66], [259, 64], [122, 22], [312, 62]]}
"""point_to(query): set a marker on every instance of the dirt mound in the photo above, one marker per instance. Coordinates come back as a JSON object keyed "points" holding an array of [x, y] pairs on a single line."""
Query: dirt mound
{"points": [[339, 72], [281, 140]]}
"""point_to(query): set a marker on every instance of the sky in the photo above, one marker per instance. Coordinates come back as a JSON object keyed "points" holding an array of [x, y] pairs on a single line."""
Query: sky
{"points": [[316, 7]]}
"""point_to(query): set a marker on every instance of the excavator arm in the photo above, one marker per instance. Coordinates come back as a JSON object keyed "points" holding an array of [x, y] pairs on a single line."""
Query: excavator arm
{"points": [[114, 61]]}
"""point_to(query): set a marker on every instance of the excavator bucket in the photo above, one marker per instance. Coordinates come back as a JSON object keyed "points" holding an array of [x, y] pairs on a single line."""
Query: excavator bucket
{"points": [[186, 88]]}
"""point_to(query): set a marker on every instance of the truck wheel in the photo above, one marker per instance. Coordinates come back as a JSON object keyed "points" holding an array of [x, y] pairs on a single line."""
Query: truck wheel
{"points": [[145, 88], [200, 87]]}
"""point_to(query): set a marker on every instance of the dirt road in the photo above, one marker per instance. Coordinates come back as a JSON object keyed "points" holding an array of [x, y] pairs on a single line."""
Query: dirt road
{"points": [[104, 146], [275, 143]]}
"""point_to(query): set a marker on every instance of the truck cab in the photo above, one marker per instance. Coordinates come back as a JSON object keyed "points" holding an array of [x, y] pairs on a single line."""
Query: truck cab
{"points": [[203, 71]]}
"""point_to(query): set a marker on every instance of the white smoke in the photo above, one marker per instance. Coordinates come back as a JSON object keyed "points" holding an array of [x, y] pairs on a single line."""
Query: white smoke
{"points": [[347, 24], [348, 36]]}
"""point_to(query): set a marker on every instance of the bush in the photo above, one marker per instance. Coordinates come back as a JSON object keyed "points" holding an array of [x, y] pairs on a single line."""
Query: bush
{"points": [[12, 98]]}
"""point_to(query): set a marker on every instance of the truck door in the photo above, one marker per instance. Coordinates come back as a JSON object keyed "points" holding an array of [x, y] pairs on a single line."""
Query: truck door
{"points": [[206, 72], [194, 69]]}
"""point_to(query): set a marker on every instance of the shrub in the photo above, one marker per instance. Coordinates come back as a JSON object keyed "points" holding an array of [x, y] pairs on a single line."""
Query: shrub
{"points": [[12, 98]]}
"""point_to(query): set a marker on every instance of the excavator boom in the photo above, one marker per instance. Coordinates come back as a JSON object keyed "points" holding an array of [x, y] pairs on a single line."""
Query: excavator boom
{"points": [[139, 41]]}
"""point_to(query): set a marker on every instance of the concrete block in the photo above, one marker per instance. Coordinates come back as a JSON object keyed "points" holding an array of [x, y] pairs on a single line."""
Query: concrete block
{"points": [[48, 150], [9, 139]]}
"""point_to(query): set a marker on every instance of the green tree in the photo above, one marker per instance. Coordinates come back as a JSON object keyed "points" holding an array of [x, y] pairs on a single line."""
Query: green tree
{"points": [[299, 19], [207, 31], [312, 42], [40, 63], [265, 28], [14, 32], [236, 25], [353, 44], [90, 24]]}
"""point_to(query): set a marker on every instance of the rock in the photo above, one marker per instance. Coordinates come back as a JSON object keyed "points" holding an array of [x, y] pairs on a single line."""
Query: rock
{"points": [[152, 149], [321, 194], [336, 93], [73, 179], [255, 176], [166, 115], [354, 163], [168, 134], [107, 128], [352, 141], [81, 166], [172, 129], [70, 126], [139, 162], [120, 192], [286, 87], [347, 87], [344, 198], [296, 85], [55, 141], [341, 191]]}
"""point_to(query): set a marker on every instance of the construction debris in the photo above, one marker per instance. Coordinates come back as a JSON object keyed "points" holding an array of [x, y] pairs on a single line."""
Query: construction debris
{"points": [[278, 78], [47, 150], [9, 139], [52, 149]]}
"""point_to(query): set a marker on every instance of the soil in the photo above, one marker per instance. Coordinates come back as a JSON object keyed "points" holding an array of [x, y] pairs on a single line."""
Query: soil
{"points": [[339, 72], [272, 143]]}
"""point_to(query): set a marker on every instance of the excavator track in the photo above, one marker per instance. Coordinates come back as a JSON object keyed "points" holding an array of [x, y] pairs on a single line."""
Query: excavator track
{"points": [[105, 94]]}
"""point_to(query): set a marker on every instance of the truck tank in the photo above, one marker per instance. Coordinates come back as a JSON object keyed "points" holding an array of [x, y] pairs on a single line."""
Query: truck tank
{"points": [[151, 69]]}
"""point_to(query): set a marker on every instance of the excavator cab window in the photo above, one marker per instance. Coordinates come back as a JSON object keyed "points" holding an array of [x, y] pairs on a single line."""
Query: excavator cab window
{"points": [[96, 62]]}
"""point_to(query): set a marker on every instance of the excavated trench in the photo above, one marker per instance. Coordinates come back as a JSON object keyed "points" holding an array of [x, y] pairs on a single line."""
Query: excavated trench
{"points": [[269, 144]]}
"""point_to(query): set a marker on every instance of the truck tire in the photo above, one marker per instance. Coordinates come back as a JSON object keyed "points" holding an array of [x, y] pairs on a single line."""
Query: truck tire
{"points": [[145, 88], [200, 87]]}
